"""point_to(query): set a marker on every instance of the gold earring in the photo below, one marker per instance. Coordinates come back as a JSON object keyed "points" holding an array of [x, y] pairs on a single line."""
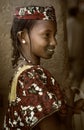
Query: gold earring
{"points": [[23, 41]]}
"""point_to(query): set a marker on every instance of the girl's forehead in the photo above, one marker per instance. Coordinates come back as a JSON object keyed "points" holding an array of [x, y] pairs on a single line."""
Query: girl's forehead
{"points": [[44, 25]]}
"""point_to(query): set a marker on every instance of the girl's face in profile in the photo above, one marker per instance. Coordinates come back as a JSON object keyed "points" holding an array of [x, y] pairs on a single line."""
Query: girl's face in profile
{"points": [[42, 37]]}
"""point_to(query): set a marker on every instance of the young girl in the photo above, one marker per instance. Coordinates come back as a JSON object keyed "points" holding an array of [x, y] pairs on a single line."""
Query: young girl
{"points": [[35, 99]]}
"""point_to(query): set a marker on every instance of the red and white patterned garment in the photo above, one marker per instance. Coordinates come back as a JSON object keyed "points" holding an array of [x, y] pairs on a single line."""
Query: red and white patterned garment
{"points": [[38, 96]]}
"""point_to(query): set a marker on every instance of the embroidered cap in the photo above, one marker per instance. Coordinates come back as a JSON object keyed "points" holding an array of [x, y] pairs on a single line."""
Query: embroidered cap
{"points": [[35, 13]]}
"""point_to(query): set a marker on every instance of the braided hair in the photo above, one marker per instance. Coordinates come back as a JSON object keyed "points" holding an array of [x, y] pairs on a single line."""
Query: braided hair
{"points": [[19, 25]]}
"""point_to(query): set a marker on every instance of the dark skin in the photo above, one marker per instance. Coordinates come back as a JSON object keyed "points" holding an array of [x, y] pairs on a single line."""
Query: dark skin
{"points": [[41, 43]]}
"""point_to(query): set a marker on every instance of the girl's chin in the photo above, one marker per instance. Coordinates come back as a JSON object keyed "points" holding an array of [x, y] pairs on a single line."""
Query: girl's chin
{"points": [[49, 57]]}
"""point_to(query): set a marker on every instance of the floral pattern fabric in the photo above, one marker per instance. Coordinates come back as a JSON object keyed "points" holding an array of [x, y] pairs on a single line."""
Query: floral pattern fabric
{"points": [[38, 96], [35, 12]]}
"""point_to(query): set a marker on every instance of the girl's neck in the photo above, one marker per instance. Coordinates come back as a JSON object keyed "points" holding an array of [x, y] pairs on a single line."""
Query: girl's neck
{"points": [[26, 61]]}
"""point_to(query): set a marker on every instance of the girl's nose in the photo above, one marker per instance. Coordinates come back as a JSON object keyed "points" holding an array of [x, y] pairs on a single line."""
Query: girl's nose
{"points": [[53, 42]]}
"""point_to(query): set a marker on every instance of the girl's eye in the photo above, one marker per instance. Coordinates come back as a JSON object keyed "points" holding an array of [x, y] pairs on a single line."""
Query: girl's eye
{"points": [[46, 35]]}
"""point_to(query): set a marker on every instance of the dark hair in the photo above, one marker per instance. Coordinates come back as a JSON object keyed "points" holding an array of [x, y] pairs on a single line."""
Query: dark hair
{"points": [[19, 25]]}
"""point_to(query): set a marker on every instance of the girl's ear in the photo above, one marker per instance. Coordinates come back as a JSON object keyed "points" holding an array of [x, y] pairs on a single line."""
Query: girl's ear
{"points": [[23, 36]]}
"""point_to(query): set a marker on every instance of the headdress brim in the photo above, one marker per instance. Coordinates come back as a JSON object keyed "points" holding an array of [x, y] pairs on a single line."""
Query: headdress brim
{"points": [[35, 13]]}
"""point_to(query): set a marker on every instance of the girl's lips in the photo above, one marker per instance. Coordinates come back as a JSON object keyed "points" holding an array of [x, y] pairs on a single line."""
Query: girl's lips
{"points": [[51, 50]]}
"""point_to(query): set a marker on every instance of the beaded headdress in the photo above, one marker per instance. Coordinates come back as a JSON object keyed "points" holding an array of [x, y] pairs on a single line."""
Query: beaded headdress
{"points": [[35, 13]]}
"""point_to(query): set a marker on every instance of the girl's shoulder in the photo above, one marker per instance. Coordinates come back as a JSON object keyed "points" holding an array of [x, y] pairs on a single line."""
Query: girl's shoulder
{"points": [[36, 73], [27, 75], [34, 70]]}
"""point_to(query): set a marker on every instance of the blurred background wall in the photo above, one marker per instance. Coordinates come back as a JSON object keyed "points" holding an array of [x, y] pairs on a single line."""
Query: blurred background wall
{"points": [[58, 65], [75, 37]]}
